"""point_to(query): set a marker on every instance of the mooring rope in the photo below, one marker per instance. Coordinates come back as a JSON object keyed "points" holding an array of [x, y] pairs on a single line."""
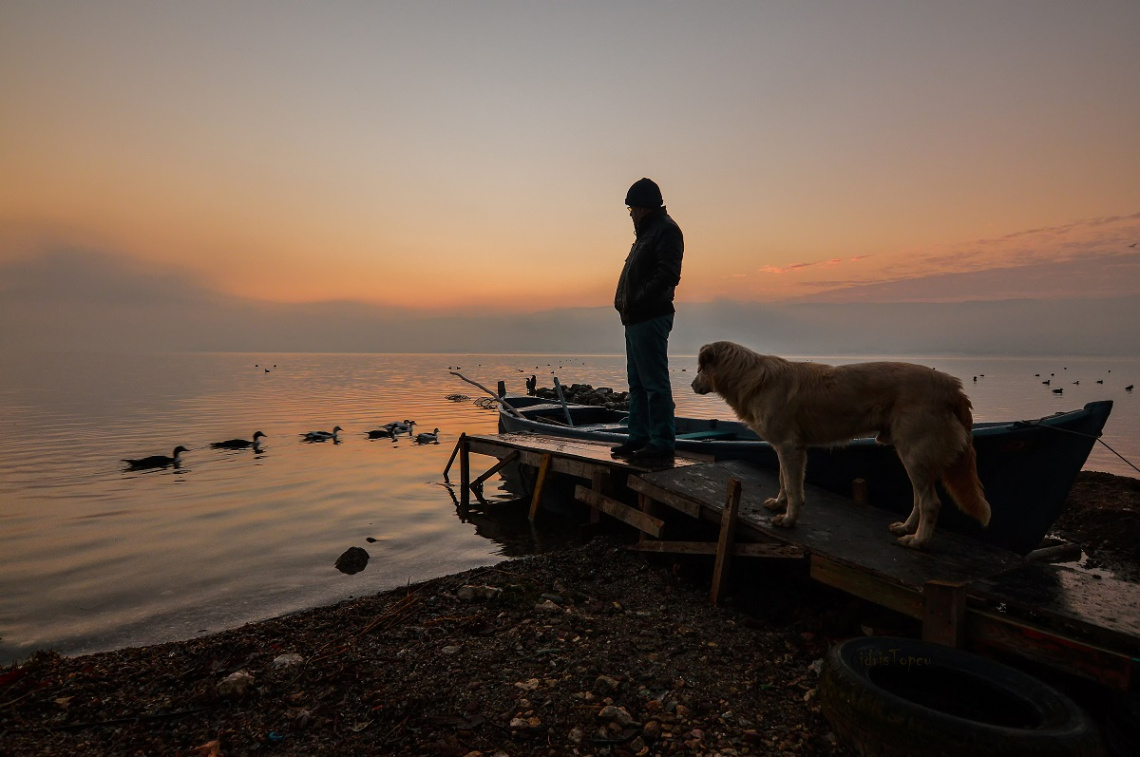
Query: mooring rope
{"points": [[1087, 436]]}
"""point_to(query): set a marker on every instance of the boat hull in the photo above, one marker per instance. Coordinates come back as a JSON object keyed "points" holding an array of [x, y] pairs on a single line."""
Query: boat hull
{"points": [[1026, 467]]}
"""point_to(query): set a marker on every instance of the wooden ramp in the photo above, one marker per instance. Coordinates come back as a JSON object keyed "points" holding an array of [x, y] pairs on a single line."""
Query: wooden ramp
{"points": [[965, 592], [579, 458]]}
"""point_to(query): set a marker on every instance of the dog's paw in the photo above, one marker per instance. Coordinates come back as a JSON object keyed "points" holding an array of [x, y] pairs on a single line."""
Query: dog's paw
{"points": [[910, 541], [899, 528], [782, 521], [776, 504]]}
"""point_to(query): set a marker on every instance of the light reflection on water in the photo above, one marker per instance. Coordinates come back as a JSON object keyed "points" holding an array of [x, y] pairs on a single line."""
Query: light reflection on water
{"points": [[94, 558]]}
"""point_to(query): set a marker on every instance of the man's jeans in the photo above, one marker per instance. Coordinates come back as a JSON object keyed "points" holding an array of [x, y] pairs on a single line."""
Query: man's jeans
{"points": [[650, 393]]}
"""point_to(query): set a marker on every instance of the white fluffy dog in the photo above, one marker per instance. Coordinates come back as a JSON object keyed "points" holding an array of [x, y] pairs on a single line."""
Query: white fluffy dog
{"points": [[796, 405]]}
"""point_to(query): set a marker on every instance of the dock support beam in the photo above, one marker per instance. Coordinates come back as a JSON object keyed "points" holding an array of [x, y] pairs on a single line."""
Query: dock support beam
{"points": [[464, 473], [944, 613], [725, 543], [536, 500]]}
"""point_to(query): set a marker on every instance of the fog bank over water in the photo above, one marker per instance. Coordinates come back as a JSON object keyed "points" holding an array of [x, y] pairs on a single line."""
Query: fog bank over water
{"points": [[94, 302]]}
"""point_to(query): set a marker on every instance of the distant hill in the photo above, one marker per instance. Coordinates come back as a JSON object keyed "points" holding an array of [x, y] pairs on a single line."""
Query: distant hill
{"points": [[88, 301]]}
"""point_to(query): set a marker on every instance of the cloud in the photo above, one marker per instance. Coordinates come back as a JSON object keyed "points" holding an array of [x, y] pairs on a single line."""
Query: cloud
{"points": [[778, 270], [1087, 258], [1105, 275], [71, 276], [1063, 229]]}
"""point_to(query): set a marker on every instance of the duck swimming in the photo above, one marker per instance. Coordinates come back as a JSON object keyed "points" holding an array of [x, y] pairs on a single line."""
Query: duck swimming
{"points": [[321, 436], [239, 443], [157, 461], [384, 432], [426, 438], [405, 427]]}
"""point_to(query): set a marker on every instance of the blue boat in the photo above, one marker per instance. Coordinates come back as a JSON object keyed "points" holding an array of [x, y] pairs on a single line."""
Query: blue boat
{"points": [[1026, 466]]}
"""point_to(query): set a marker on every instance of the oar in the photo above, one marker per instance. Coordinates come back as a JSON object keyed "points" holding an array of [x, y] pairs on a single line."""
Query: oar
{"points": [[502, 401], [558, 388]]}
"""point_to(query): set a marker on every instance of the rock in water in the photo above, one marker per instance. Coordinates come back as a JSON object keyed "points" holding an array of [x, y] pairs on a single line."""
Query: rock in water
{"points": [[352, 561]]}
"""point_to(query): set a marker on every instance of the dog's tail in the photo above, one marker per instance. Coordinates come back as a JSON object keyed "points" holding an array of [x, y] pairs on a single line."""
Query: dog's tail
{"points": [[961, 477]]}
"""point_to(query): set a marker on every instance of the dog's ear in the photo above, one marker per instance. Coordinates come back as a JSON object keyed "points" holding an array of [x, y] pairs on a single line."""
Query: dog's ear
{"points": [[706, 357]]}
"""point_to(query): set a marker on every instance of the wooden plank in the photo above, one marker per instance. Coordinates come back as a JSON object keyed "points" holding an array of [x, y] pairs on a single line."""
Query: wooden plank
{"points": [[580, 468], [569, 447], [678, 502], [450, 460], [893, 596], [536, 500], [625, 513], [943, 613], [1064, 552], [645, 505], [833, 526], [1107, 667], [514, 455], [740, 549], [726, 540], [1102, 611], [600, 483], [769, 550]]}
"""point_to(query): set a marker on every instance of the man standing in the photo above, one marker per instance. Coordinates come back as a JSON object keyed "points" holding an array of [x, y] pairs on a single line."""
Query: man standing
{"points": [[644, 300]]}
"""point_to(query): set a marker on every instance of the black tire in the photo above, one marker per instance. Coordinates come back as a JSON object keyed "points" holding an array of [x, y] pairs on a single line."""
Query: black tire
{"points": [[895, 697], [1122, 726]]}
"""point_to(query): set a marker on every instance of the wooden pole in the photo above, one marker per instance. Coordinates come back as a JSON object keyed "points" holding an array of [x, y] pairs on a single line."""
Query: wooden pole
{"points": [[725, 543], [599, 482], [562, 399], [450, 460], [646, 505], [514, 455], [502, 402], [943, 612], [464, 473], [536, 500]]}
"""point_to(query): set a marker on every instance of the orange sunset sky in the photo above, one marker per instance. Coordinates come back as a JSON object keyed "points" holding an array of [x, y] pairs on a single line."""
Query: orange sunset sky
{"points": [[451, 156]]}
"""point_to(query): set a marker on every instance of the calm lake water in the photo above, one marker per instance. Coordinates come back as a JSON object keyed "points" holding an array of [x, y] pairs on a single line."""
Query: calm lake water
{"points": [[94, 558]]}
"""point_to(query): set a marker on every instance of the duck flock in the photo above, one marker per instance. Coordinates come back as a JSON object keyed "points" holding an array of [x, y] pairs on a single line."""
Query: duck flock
{"points": [[393, 431], [1060, 389]]}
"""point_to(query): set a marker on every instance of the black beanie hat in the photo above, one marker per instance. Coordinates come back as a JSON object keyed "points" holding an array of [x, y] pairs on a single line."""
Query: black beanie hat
{"points": [[643, 194]]}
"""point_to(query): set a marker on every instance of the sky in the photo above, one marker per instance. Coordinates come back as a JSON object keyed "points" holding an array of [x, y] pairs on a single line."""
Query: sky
{"points": [[470, 159]]}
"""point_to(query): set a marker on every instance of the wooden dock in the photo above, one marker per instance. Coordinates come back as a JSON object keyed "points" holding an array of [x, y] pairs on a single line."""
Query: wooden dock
{"points": [[964, 592]]}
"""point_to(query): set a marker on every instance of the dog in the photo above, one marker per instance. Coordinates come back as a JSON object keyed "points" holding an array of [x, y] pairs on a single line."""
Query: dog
{"points": [[796, 405]]}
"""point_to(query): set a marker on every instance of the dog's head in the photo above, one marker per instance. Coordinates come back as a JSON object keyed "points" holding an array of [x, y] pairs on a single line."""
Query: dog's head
{"points": [[707, 360], [732, 370]]}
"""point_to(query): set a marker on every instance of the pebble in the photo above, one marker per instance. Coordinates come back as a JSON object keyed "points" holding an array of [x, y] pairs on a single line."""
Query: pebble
{"points": [[235, 684], [354, 560], [471, 593], [606, 682], [615, 714], [287, 660]]}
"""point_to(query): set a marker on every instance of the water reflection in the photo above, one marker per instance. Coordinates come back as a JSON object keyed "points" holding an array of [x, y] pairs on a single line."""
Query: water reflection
{"points": [[503, 520]]}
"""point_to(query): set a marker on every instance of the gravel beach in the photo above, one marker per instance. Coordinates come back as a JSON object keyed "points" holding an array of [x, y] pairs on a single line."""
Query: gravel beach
{"points": [[590, 649]]}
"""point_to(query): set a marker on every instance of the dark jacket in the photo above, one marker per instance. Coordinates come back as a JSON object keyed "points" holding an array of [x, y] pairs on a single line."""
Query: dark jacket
{"points": [[652, 270]]}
